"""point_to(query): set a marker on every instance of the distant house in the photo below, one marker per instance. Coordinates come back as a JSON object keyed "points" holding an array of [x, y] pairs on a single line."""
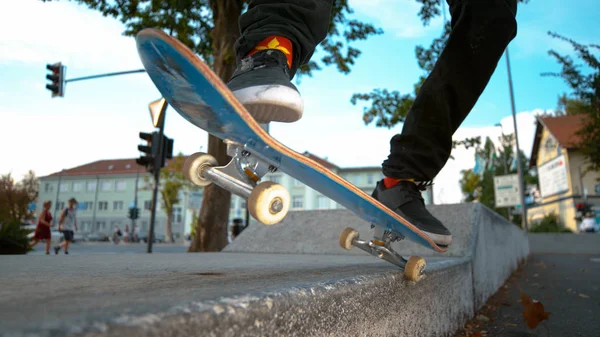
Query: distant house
{"points": [[560, 166], [105, 189]]}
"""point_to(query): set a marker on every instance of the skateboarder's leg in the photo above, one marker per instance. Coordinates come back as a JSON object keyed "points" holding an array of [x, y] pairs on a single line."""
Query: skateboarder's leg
{"points": [[481, 30], [277, 37]]}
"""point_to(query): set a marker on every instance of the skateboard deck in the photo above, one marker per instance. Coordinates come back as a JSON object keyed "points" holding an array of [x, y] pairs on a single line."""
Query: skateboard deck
{"points": [[200, 97]]}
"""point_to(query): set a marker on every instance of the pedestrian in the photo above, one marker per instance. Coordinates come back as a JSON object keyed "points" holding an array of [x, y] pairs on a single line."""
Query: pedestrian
{"points": [[589, 225], [277, 37], [126, 234], [67, 225], [42, 229]]}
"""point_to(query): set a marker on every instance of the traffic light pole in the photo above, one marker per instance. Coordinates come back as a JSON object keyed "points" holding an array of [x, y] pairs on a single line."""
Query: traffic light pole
{"points": [[157, 168]]}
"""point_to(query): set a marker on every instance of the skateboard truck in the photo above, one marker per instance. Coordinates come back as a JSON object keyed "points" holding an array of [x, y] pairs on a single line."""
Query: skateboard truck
{"points": [[380, 246], [268, 202]]}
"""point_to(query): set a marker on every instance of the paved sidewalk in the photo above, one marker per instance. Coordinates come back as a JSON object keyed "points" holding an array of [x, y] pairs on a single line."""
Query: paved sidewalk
{"points": [[567, 285]]}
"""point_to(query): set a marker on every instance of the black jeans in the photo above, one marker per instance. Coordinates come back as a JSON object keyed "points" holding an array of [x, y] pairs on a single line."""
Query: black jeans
{"points": [[481, 30]]}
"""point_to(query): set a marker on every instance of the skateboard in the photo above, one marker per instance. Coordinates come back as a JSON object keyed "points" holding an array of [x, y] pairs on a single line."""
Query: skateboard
{"points": [[200, 97]]}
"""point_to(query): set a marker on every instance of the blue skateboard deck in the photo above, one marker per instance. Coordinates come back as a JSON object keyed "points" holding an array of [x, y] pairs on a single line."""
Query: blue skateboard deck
{"points": [[199, 96]]}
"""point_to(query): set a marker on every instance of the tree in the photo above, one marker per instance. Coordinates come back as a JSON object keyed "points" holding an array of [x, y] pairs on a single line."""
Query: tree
{"points": [[585, 96], [389, 108], [210, 28], [15, 197], [173, 182], [496, 162], [470, 184]]}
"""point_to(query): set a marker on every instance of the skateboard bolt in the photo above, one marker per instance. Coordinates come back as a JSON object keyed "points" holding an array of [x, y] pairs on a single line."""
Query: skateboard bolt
{"points": [[272, 169], [276, 206], [245, 153]]}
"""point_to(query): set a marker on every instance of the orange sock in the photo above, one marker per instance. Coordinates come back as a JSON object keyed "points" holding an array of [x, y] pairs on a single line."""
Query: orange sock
{"points": [[391, 182], [280, 43]]}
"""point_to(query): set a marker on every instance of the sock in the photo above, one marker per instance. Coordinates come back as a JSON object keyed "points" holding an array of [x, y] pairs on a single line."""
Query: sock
{"points": [[391, 182], [277, 42]]}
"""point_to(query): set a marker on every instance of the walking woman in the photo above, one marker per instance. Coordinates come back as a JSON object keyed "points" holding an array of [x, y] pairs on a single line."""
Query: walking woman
{"points": [[42, 230]]}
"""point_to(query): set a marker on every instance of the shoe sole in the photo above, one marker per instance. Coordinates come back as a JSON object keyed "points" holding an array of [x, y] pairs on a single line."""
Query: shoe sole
{"points": [[439, 239], [271, 103]]}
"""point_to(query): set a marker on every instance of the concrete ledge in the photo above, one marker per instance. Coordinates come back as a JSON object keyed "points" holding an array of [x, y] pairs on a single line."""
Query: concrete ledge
{"points": [[377, 304], [292, 279], [564, 243], [317, 232]]}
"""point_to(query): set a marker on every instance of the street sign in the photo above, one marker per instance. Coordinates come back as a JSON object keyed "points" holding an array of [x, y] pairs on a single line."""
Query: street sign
{"points": [[553, 177], [507, 190]]}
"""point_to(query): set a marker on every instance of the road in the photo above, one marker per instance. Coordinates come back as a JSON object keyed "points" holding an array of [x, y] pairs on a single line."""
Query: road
{"points": [[85, 248], [568, 286]]}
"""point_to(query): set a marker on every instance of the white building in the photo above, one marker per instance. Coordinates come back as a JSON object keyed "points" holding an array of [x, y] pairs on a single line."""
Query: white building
{"points": [[105, 190]]}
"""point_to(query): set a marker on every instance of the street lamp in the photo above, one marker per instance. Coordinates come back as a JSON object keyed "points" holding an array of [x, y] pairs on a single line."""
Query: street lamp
{"points": [[518, 154]]}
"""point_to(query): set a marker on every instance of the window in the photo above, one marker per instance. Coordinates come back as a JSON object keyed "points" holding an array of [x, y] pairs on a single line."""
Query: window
{"points": [[370, 179], [101, 225], [103, 205], [86, 226], [177, 215], [322, 202], [78, 186], [64, 187], [121, 185], [117, 205], [147, 204], [275, 178], [243, 205], [60, 205], [106, 185], [89, 205], [356, 179], [48, 187], [297, 201]]}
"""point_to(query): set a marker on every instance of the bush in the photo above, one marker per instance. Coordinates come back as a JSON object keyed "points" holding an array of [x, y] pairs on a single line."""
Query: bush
{"points": [[13, 238], [549, 224]]}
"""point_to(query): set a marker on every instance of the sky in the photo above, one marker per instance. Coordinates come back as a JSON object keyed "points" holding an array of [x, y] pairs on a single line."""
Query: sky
{"points": [[101, 118]]}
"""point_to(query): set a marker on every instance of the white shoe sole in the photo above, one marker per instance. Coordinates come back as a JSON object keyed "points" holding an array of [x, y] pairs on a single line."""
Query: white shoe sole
{"points": [[271, 103]]}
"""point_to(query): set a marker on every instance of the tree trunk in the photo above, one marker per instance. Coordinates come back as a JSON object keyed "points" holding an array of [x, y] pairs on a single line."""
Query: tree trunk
{"points": [[211, 228], [169, 228]]}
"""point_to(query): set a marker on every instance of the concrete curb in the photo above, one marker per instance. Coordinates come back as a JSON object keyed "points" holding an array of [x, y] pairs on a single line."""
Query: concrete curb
{"points": [[268, 287], [369, 305], [564, 243]]}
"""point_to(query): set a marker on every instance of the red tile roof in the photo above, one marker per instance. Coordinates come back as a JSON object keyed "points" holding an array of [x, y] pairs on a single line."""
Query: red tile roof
{"points": [[129, 166], [563, 128], [321, 161], [103, 167]]}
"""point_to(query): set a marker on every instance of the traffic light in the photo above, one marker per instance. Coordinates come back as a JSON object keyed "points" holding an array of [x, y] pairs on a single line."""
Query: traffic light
{"points": [[168, 147], [133, 213], [150, 150], [57, 79]]}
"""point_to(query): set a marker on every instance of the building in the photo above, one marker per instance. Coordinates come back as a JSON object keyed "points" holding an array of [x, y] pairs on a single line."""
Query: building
{"points": [[106, 189], [560, 165]]}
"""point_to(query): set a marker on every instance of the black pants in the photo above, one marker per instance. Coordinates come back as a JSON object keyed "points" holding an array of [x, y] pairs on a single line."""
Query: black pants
{"points": [[481, 30]]}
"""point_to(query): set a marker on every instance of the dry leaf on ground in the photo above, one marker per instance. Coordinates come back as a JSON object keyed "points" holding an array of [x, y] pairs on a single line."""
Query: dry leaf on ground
{"points": [[533, 312]]}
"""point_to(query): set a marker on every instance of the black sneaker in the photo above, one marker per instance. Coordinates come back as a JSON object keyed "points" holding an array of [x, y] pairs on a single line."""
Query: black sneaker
{"points": [[406, 200], [56, 249], [262, 84]]}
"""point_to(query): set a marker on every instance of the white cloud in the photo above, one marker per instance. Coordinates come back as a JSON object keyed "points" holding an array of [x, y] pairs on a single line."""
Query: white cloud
{"points": [[64, 31], [398, 17], [447, 187]]}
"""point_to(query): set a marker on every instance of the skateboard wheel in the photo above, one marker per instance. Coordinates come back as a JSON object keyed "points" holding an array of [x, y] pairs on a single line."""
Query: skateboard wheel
{"points": [[414, 270], [347, 236], [195, 165], [269, 202]]}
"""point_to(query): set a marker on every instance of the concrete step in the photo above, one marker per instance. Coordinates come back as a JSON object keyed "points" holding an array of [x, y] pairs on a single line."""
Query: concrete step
{"points": [[264, 293]]}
